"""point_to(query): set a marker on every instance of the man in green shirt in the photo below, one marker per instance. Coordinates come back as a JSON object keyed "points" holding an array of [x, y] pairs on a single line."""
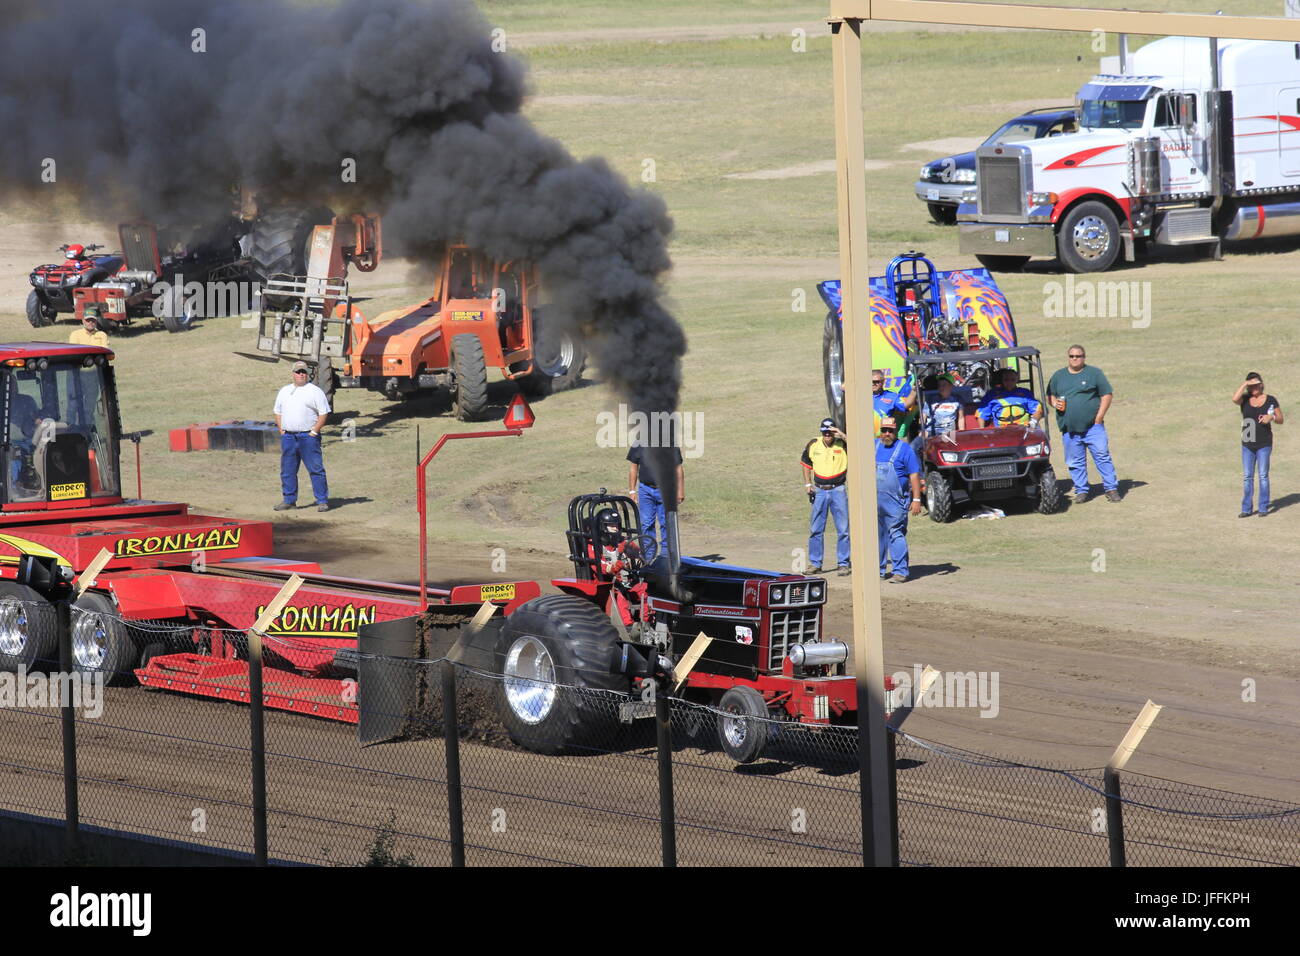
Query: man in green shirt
{"points": [[1081, 396]]}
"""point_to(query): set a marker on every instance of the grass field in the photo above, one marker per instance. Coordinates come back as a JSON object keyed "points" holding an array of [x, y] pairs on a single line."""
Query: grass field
{"points": [[1178, 564]]}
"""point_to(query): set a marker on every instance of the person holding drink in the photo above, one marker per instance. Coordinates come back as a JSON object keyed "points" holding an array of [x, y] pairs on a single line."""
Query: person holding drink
{"points": [[1259, 413]]}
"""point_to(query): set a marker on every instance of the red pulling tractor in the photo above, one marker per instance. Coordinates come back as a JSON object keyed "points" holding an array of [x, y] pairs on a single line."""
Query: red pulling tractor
{"points": [[193, 579]]}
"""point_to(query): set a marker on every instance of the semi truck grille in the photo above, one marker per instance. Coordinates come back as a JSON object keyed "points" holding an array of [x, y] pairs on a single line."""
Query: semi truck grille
{"points": [[1001, 193], [791, 627]]}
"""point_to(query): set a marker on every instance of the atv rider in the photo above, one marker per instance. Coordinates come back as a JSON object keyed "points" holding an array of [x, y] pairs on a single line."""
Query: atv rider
{"points": [[76, 252], [620, 558]]}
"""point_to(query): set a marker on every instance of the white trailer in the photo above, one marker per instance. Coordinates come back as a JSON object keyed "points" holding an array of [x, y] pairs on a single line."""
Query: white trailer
{"points": [[1194, 142]]}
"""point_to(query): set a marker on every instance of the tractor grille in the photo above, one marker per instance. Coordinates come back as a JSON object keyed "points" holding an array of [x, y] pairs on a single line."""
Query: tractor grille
{"points": [[1001, 193], [137, 247], [791, 627], [798, 593]]}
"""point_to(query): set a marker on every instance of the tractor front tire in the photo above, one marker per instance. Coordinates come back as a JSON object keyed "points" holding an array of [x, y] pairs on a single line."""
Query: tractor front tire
{"points": [[470, 399], [1049, 496], [833, 368], [101, 643], [280, 238], [558, 360], [39, 313], [28, 630], [938, 497], [326, 379], [556, 655], [743, 727]]}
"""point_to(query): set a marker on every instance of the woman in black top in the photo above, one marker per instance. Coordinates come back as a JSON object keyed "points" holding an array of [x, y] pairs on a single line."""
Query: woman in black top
{"points": [[1259, 413]]}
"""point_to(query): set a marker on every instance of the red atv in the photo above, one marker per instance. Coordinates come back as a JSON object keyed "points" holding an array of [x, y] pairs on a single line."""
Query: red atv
{"points": [[977, 461], [52, 284]]}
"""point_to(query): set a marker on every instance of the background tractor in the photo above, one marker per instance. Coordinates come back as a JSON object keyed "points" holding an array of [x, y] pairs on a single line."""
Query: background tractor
{"points": [[53, 284]]}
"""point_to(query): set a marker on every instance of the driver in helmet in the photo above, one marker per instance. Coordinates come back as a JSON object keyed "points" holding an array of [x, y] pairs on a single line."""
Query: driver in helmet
{"points": [[620, 557], [76, 251]]}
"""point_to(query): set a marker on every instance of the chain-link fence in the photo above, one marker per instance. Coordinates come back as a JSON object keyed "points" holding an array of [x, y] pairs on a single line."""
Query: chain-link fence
{"points": [[537, 771]]}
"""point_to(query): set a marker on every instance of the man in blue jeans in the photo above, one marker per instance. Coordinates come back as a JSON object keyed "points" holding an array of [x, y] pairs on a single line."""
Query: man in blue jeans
{"points": [[1081, 396], [825, 462], [301, 410], [898, 494], [647, 489]]}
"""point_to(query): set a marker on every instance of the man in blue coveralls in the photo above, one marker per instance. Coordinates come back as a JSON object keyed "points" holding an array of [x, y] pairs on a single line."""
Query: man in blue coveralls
{"points": [[898, 494]]}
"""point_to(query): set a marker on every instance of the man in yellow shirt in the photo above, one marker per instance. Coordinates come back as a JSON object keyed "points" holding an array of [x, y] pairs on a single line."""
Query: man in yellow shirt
{"points": [[89, 333], [825, 463]]}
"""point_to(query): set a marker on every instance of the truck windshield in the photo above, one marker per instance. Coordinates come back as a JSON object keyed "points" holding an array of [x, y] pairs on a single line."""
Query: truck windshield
{"points": [[59, 434], [1112, 114]]}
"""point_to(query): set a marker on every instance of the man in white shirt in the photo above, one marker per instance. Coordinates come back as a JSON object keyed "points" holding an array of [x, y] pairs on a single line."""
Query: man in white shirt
{"points": [[300, 412]]}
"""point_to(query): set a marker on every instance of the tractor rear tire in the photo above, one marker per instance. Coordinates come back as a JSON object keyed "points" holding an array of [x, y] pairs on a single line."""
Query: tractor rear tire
{"points": [[28, 630], [101, 642], [470, 367], [39, 314], [833, 368], [1003, 263], [176, 323], [1049, 496], [743, 740], [280, 238], [556, 655], [938, 497], [558, 360]]}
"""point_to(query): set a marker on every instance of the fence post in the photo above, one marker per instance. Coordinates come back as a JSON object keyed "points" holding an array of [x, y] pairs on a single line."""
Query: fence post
{"points": [[1114, 817], [71, 809], [667, 812], [891, 745], [451, 747]]}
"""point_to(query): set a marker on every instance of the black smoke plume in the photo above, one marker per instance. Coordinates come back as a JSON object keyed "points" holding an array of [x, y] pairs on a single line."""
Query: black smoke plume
{"points": [[139, 124]]}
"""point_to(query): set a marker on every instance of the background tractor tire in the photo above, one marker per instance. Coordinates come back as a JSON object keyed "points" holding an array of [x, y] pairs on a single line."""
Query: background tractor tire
{"points": [[101, 642], [942, 213], [174, 323], [558, 360], [553, 652], [743, 740], [39, 314], [28, 630], [326, 379], [470, 397], [1003, 263], [1049, 496], [280, 237], [938, 497], [833, 368], [1089, 239]]}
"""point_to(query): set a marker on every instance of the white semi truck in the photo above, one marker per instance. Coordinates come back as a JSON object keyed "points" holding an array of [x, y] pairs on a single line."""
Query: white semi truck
{"points": [[1193, 142]]}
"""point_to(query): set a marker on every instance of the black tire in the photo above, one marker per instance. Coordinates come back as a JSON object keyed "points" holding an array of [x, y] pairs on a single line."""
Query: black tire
{"points": [[1003, 263], [833, 368], [470, 398], [938, 497], [280, 238], [743, 740], [1088, 239], [1049, 496], [558, 360], [39, 312], [942, 213], [326, 379], [176, 323], [101, 642], [556, 653], [28, 630]]}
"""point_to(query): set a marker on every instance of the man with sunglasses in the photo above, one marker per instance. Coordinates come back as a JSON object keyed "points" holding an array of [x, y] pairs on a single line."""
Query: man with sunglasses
{"points": [[825, 463], [886, 403], [301, 409], [898, 495], [1081, 396]]}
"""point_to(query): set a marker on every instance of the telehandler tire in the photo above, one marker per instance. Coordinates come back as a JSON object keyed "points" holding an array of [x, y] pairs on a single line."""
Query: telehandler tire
{"points": [[470, 398]]}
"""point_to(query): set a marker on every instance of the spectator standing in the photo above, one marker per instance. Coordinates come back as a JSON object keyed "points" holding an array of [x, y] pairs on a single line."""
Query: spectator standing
{"points": [[1081, 395], [90, 332], [301, 410], [825, 463], [898, 495], [1259, 413], [645, 487]]}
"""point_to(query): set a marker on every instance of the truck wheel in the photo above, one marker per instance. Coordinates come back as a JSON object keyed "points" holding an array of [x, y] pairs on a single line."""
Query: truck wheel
{"points": [[280, 238], [470, 391], [938, 496], [28, 635], [942, 213], [558, 360], [1088, 239], [1049, 496], [743, 739], [556, 655], [833, 368], [1003, 263], [39, 313], [101, 643]]}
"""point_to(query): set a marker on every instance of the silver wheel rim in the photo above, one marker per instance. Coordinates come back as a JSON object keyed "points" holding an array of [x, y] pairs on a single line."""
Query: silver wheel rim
{"points": [[735, 730], [13, 627], [89, 641], [835, 359], [556, 358], [929, 496], [1091, 238], [530, 680]]}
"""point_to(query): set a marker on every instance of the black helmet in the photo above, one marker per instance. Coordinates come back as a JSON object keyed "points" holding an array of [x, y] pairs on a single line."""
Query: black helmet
{"points": [[608, 521]]}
